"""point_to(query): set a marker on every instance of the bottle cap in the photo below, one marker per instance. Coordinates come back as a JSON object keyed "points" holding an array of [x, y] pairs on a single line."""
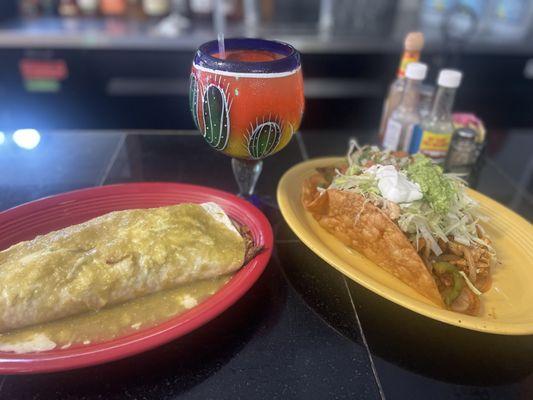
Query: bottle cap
{"points": [[449, 78], [416, 70], [414, 41]]}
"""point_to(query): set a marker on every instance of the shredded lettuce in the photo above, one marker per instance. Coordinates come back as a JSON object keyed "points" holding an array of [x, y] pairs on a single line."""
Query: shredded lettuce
{"points": [[362, 183], [444, 211], [421, 219], [470, 284]]}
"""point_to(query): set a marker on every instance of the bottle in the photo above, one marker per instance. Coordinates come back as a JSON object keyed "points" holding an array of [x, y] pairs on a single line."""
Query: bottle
{"points": [[156, 8], [134, 10], [88, 7], [405, 116], [413, 44], [435, 133], [113, 7], [67, 8], [201, 9]]}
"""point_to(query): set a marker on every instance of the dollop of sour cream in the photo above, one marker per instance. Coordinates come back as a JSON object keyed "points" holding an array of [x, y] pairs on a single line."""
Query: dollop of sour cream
{"points": [[394, 185]]}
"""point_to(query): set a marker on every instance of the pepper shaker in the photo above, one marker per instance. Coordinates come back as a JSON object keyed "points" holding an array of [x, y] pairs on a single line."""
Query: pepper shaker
{"points": [[463, 152]]}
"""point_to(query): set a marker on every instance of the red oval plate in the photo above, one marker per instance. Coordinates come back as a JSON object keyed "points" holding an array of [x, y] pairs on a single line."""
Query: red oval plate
{"points": [[42, 216]]}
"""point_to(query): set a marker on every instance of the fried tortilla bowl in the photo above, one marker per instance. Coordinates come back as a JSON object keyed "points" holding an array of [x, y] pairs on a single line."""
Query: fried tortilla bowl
{"points": [[366, 228], [506, 309]]}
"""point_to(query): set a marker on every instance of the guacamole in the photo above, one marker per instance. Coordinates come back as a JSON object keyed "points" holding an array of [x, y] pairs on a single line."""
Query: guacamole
{"points": [[438, 190]]}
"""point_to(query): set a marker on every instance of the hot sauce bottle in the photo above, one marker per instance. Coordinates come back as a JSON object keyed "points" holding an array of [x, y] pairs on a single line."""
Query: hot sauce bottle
{"points": [[413, 44], [434, 135]]}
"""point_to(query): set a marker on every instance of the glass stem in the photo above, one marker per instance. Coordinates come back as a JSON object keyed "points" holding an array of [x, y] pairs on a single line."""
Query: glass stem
{"points": [[246, 174]]}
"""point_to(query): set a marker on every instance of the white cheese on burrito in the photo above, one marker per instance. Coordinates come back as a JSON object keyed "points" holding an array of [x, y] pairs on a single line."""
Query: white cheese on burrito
{"points": [[37, 342]]}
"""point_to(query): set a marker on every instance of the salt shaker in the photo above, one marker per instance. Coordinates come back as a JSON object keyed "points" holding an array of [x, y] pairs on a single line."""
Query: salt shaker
{"points": [[463, 152]]}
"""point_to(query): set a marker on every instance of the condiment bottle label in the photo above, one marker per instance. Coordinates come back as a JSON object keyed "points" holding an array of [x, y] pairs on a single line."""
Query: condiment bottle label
{"points": [[392, 135], [434, 144], [408, 57], [409, 132]]}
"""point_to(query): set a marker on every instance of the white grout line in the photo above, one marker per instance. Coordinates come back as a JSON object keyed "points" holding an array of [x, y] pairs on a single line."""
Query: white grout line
{"points": [[372, 365], [2, 382], [301, 145], [112, 160]]}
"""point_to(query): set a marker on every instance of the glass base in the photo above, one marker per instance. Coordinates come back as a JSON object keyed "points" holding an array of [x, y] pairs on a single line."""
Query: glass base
{"points": [[246, 174], [263, 202]]}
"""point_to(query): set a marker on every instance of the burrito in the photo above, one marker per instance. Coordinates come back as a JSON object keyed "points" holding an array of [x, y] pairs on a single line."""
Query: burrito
{"points": [[411, 219], [115, 258]]}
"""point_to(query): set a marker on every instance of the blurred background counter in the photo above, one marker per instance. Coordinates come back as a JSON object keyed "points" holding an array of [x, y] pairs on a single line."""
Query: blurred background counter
{"points": [[125, 64]]}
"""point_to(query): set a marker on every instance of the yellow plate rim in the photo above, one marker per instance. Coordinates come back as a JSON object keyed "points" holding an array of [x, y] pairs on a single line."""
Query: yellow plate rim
{"points": [[303, 169]]}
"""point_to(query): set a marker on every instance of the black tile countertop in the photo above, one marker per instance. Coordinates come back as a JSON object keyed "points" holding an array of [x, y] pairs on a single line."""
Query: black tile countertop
{"points": [[303, 331]]}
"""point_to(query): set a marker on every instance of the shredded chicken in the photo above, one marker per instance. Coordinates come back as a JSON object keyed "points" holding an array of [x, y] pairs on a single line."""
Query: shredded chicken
{"points": [[472, 275], [392, 210], [474, 261]]}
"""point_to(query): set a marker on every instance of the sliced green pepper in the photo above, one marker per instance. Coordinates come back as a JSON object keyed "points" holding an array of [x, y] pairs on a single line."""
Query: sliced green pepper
{"points": [[451, 293]]}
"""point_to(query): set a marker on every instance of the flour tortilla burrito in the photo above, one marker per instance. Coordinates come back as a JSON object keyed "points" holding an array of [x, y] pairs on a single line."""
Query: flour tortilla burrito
{"points": [[115, 258]]}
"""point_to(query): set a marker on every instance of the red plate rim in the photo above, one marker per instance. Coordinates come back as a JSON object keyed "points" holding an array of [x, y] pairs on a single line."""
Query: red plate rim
{"points": [[240, 283]]}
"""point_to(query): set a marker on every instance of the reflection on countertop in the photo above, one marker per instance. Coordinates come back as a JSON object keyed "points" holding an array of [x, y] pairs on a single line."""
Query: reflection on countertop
{"points": [[58, 162], [66, 160]]}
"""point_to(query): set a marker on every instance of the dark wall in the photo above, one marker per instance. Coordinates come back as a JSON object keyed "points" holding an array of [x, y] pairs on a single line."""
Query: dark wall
{"points": [[121, 89], [8, 9]]}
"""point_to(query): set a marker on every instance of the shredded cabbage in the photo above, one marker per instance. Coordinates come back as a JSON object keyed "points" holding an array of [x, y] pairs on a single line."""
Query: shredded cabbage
{"points": [[363, 183], [419, 219], [459, 222], [470, 284]]}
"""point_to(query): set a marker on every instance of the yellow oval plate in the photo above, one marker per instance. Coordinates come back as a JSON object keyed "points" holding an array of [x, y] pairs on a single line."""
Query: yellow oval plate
{"points": [[507, 308]]}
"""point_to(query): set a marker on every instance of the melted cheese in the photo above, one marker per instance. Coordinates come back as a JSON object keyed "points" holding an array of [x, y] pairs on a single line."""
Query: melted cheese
{"points": [[36, 342]]}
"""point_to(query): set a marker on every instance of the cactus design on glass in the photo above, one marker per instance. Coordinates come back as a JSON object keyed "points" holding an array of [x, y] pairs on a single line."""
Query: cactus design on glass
{"points": [[263, 139], [216, 117], [193, 99]]}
